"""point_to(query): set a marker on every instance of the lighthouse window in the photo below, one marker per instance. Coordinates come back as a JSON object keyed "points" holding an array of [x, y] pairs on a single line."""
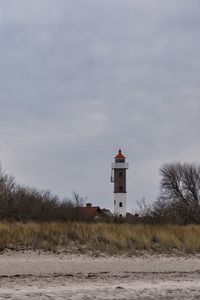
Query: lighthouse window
{"points": [[120, 188], [120, 174], [120, 204]]}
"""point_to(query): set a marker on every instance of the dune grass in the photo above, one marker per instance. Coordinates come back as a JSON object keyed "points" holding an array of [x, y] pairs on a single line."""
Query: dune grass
{"points": [[100, 237]]}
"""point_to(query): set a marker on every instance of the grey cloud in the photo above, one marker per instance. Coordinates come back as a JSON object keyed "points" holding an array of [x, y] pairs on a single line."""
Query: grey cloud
{"points": [[78, 79]]}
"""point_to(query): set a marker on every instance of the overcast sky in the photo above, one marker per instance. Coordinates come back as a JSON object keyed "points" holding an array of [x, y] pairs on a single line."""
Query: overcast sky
{"points": [[79, 79]]}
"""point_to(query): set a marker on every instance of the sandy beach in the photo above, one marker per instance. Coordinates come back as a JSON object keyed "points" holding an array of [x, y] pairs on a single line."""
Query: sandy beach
{"points": [[31, 275]]}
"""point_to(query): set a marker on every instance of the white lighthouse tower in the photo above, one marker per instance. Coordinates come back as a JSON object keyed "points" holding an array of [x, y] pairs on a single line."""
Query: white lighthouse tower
{"points": [[118, 176]]}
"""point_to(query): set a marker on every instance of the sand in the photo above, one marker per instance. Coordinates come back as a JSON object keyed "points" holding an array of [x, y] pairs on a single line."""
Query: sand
{"points": [[32, 275]]}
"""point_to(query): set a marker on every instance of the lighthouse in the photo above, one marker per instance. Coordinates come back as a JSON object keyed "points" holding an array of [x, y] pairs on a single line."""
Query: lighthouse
{"points": [[118, 177]]}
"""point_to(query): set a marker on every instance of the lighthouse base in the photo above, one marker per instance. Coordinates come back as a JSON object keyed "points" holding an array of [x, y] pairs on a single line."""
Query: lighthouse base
{"points": [[120, 204]]}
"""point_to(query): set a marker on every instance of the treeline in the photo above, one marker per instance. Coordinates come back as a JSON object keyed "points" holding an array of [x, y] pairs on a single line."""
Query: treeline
{"points": [[178, 201], [21, 203]]}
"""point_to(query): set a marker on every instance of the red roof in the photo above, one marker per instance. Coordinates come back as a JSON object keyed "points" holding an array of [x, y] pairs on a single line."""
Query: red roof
{"points": [[120, 155]]}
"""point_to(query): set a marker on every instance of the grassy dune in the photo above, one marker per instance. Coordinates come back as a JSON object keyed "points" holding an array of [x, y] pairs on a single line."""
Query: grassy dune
{"points": [[95, 238]]}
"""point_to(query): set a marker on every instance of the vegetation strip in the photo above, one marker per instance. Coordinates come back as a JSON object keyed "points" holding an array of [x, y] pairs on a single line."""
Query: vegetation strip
{"points": [[96, 238]]}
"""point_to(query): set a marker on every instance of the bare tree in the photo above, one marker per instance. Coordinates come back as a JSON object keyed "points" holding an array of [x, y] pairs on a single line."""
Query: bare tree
{"points": [[180, 192], [78, 200], [7, 187], [7, 182], [23, 203], [145, 210]]}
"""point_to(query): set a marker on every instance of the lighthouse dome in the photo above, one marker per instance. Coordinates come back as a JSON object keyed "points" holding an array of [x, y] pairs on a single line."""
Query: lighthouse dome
{"points": [[120, 156]]}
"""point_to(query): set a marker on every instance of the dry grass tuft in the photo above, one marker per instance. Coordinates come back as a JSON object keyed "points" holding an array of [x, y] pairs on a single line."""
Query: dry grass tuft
{"points": [[102, 237]]}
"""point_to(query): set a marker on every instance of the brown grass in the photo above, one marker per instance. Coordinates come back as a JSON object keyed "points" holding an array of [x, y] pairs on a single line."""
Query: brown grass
{"points": [[96, 238]]}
